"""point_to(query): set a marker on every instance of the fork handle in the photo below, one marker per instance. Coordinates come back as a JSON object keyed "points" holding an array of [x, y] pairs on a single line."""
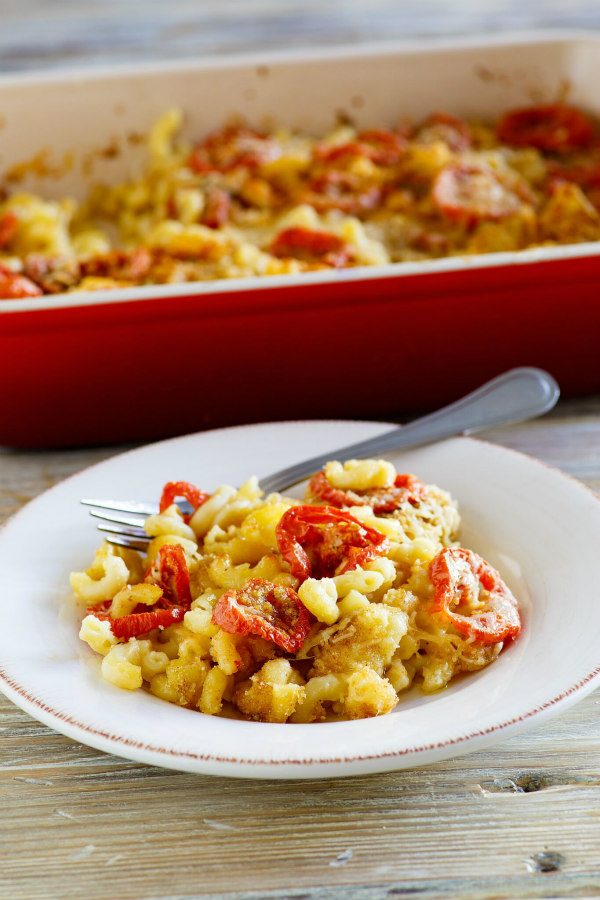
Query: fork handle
{"points": [[516, 395]]}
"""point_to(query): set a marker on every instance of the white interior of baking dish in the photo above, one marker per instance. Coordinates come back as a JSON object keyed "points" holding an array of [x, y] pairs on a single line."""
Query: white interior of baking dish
{"points": [[95, 117]]}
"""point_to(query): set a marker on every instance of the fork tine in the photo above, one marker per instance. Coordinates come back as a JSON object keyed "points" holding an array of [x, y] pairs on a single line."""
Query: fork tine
{"points": [[124, 506], [131, 531], [121, 520], [122, 540]]}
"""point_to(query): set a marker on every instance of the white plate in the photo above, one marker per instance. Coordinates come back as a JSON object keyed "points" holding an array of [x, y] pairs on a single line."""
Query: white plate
{"points": [[540, 528]]}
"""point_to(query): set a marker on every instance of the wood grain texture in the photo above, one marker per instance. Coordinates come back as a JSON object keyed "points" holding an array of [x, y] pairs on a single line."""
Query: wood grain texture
{"points": [[519, 820]]}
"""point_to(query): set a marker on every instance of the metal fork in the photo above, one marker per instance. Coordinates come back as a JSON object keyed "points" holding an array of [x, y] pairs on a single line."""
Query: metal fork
{"points": [[515, 396]]}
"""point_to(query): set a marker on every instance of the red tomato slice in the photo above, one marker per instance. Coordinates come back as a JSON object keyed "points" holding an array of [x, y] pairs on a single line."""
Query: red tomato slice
{"points": [[432, 242], [442, 126], [312, 246], [381, 147], [341, 190], [217, 209], [469, 194], [9, 225], [456, 575], [16, 287], [586, 175], [267, 610], [100, 610], [320, 540], [406, 488], [233, 147], [386, 148], [170, 572], [135, 624], [129, 265], [174, 489], [53, 275], [555, 128]]}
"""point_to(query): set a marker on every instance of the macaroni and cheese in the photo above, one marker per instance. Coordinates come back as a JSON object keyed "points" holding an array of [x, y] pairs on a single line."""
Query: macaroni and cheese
{"points": [[244, 202], [283, 610]]}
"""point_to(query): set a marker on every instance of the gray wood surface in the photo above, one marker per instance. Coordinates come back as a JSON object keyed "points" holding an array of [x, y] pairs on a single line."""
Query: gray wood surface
{"points": [[519, 820]]}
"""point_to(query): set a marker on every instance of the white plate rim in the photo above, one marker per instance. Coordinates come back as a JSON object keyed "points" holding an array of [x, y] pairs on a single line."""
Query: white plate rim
{"points": [[217, 764]]}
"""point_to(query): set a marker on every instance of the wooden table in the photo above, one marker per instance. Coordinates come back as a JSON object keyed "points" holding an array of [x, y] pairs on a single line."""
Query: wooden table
{"points": [[519, 820]]}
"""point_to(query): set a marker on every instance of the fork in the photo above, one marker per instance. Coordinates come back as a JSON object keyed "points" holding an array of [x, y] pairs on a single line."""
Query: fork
{"points": [[515, 396]]}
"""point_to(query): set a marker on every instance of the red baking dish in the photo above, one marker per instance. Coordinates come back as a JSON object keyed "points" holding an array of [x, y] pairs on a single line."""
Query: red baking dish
{"points": [[375, 342]]}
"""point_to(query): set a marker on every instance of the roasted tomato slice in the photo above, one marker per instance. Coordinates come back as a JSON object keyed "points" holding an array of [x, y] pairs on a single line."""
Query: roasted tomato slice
{"points": [[441, 126], [457, 576], [321, 541], [233, 147], [136, 624], [170, 572], [16, 287], [53, 275], [381, 147], [433, 242], [312, 247], [9, 225], [129, 265], [342, 190], [406, 488], [385, 148], [174, 489], [100, 610], [554, 129], [469, 194], [268, 610], [217, 209]]}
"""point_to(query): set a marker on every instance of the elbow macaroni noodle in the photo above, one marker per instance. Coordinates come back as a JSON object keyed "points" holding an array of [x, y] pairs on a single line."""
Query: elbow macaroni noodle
{"points": [[371, 634], [246, 203]]}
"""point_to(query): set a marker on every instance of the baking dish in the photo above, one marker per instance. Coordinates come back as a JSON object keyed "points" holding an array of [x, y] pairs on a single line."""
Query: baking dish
{"points": [[146, 362]]}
